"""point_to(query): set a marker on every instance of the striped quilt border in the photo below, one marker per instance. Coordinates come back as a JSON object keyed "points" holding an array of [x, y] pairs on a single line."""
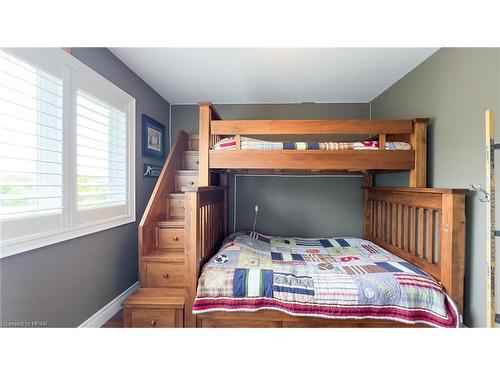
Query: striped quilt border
{"points": [[395, 313]]}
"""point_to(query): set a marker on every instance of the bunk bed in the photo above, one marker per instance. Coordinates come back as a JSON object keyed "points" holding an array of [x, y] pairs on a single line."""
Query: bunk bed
{"points": [[418, 227]]}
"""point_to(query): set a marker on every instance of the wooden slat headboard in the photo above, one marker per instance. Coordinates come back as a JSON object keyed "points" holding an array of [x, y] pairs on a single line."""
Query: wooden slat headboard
{"points": [[424, 226]]}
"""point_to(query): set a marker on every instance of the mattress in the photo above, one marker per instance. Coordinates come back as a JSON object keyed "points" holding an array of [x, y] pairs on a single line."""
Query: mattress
{"points": [[335, 278], [246, 143]]}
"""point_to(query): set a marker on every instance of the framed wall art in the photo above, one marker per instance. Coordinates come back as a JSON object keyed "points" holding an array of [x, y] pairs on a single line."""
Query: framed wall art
{"points": [[153, 138]]}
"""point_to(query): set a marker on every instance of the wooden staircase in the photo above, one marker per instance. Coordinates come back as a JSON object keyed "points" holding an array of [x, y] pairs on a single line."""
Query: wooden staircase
{"points": [[159, 302]]}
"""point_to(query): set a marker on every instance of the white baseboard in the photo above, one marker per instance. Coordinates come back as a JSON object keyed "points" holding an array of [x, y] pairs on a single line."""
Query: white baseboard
{"points": [[104, 314]]}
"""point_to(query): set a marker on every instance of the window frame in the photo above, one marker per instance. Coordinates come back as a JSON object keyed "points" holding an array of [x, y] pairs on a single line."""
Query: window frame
{"points": [[73, 72]]}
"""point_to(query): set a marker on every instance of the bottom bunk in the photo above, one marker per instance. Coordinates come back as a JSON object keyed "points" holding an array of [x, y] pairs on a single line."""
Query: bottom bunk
{"points": [[407, 272], [329, 278]]}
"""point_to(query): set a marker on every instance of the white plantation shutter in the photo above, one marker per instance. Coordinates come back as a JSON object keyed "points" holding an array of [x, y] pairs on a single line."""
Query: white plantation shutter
{"points": [[31, 110], [67, 150], [101, 143]]}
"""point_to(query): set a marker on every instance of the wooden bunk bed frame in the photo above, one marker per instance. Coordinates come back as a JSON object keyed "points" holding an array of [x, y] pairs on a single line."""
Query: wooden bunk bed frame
{"points": [[213, 129], [424, 226]]}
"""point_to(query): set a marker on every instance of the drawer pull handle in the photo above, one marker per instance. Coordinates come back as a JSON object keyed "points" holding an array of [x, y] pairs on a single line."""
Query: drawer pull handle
{"points": [[153, 322], [197, 162], [191, 183], [176, 238], [165, 275]]}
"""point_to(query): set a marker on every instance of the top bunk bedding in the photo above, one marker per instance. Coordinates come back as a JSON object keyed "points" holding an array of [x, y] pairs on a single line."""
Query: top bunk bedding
{"points": [[336, 278], [247, 143]]}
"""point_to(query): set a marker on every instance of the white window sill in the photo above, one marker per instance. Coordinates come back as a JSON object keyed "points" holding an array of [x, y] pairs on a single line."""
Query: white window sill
{"points": [[28, 243]]}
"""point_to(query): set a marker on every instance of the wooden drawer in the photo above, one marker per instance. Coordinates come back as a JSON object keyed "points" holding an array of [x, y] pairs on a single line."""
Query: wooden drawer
{"points": [[191, 160], [186, 180], [170, 238], [155, 318], [164, 274], [176, 204]]}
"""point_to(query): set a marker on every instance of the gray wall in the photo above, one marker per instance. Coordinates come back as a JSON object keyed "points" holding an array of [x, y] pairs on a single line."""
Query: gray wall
{"points": [[68, 282], [319, 206], [453, 87], [185, 117], [300, 206]]}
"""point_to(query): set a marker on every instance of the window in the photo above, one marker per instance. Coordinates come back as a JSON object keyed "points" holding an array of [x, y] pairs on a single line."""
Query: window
{"points": [[67, 150]]}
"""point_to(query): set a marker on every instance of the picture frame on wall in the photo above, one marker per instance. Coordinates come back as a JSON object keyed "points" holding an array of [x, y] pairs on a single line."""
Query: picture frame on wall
{"points": [[153, 138]]}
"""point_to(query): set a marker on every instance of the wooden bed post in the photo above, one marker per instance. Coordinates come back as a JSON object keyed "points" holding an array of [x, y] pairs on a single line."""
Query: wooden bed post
{"points": [[204, 124], [452, 255], [224, 181], [418, 140], [367, 183]]}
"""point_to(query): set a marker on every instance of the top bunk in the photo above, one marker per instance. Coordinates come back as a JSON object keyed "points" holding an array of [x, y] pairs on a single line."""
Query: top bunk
{"points": [[380, 146]]}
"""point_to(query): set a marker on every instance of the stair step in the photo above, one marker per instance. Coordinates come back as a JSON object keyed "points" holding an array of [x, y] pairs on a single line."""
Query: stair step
{"points": [[190, 160], [186, 172], [171, 223], [194, 142], [176, 205], [186, 180], [156, 298], [177, 196], [164, 255]]}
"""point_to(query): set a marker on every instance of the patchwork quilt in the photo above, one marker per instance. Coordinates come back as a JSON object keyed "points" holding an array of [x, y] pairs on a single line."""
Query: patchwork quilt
{"points": [[257, 144], [337, 278]]}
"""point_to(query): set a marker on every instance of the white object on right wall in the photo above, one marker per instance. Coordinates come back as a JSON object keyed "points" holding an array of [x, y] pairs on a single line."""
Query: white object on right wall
{"points": [[255, 217]]}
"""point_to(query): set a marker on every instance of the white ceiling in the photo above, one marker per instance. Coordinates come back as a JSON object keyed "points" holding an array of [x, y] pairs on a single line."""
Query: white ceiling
{"points": [[271, 75]]}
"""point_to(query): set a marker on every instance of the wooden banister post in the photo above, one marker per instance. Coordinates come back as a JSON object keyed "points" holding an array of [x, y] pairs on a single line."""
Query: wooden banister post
{"points": [[204, 146], [418, 140], [452, 254], [192, 255]]}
